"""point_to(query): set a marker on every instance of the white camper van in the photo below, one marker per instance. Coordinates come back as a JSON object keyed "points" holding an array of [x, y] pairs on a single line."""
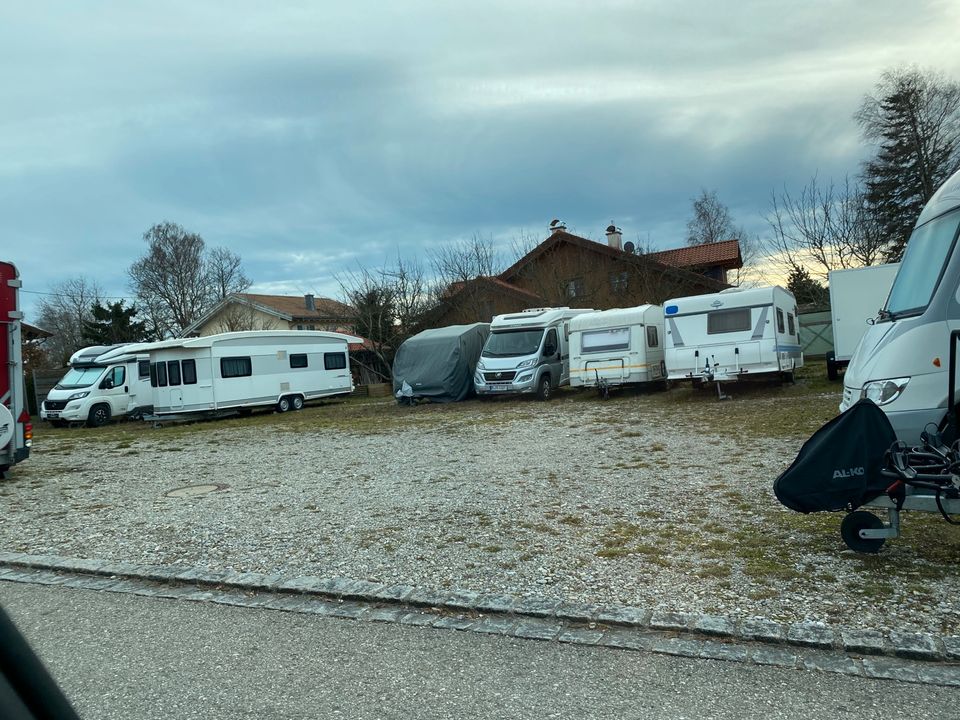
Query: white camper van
{"points": [[526, 352], [240, 370], [856, 297], [732, 334], [901, 362], [103, 382], [617, 347]]}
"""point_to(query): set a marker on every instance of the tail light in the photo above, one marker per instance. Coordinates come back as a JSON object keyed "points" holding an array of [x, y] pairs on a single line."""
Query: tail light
{"points": [[28, 435]]}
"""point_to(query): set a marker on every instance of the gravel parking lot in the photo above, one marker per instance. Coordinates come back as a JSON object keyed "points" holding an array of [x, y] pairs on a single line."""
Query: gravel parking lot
{"points": [[655, 499]]}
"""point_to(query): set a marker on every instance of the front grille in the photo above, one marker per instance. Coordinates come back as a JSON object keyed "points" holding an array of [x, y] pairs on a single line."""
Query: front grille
{"points": [[500, 376], [54, 404]]}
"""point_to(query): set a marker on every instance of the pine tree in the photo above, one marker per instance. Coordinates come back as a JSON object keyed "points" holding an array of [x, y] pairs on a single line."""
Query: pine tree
{"points": [[805, 289], [113, 324], [915, 120]]}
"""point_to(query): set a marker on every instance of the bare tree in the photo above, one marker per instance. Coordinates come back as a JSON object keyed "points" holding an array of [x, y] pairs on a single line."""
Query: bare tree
{"points": [[64, 313], [711, 221], [225, 271]]}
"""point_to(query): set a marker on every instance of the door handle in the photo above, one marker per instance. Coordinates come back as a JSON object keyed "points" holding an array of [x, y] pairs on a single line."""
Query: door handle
{"points": [[126, 389]]}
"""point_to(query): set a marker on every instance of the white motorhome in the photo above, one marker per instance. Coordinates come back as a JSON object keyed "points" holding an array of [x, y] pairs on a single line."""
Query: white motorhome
{"points": [[733, 334], [901, 362], [526, 352], [617, 347], [103, 382], [242, 370], [856, 297]]}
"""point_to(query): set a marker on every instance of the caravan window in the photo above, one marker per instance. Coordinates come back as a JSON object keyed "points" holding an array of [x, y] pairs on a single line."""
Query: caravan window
{"points": [[727, 321], [779, 320], [790, 324], [173, 371], [334, 361], [189, 372], [231, 367], [652, 336], [298, 360], [603, 340], [161, 374], [143, 370], [153, 375]]}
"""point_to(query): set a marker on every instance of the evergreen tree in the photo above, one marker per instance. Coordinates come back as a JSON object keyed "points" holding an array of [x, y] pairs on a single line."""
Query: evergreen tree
{"points": [[914, 118], [113, 324], [805, 289]]}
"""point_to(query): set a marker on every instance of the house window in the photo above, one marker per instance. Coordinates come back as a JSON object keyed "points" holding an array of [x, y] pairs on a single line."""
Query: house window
{"points": [[173, 371], [189, 372], [653, 339], [619, 282], [575, 288], [143, 369], [311, 327], [334, 361], [790, 324], [779, 320], [231, 367], [299, 327], [602, 340], [298, 360], [727, 321]]}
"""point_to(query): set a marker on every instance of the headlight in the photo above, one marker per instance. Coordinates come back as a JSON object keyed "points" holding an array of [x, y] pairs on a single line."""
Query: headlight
{"points": [[884, 391], [78, 396], [527, 363]]}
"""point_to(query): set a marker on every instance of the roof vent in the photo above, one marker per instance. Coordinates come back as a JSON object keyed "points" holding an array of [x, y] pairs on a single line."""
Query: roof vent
{"points": [[557, 226], [309, 303], [614, 237]]}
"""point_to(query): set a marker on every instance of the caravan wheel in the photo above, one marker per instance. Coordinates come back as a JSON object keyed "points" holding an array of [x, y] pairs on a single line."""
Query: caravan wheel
{"points": [[297, 402], [283, 404]]}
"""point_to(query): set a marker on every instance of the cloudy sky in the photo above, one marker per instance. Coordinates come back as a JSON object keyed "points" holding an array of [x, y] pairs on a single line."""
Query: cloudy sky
{"points": [[308, 137]]}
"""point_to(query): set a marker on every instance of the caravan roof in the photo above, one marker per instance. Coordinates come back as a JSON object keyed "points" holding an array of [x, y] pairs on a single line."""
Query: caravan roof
{"points": [[534, 317], [617, 317], [731, 298]]}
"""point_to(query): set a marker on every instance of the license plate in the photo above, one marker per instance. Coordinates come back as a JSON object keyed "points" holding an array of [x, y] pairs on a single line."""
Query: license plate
{"points": [[53, 414]]}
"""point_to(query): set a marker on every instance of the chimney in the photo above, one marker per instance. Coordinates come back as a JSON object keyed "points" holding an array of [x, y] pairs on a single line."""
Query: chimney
{"points": [[615, 237], [309, 303], [557, 226]]}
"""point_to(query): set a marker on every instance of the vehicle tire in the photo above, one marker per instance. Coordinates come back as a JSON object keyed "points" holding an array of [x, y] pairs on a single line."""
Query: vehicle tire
{"points": [[283, 404], [850, 529], [832, 372], [544, 389], [99, 415], [298, 402]]}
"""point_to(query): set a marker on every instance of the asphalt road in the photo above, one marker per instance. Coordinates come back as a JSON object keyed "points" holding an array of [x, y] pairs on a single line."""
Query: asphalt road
{"points": [[123, 656]]}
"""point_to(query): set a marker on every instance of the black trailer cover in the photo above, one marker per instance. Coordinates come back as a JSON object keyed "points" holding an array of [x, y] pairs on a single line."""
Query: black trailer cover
{"points": [[438, 364], [840, 465]]}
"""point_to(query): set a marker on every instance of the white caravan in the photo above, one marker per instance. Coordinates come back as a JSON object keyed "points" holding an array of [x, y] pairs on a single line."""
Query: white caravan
{"points": [[617, 347], [856, 297], [526, 352], [901, 362], [103, 382], [241, 370], [733, 334]]}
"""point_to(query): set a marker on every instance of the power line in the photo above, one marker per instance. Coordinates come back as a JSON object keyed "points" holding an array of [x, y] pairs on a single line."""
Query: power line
{"points": [[72, 297]]}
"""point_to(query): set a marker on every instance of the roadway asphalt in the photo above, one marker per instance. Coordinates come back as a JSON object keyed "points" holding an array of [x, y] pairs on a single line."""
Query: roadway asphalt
{"points": [[124, 656]]}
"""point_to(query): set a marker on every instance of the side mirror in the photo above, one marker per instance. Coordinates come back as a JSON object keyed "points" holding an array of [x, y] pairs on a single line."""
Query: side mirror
{"points": [[107, 384]]}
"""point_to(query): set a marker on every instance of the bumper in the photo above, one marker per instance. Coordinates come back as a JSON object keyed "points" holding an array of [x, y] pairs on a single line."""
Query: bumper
{"points": [[508, 388], [68, 414], [908, 424]]}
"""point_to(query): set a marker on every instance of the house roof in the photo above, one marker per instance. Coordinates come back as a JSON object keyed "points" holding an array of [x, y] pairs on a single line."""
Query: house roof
{"points": [[285, 307], [32, 332], [498, 283], [725, 253], [564, 237]]}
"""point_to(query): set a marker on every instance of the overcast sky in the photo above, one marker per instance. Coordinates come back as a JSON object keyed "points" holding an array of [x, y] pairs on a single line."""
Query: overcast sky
{"points": [[309, 136]]}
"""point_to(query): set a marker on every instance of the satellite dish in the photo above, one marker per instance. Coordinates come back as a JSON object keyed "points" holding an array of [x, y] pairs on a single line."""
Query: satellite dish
{"points": [[611, 228], [629, 247], [554, 222]]}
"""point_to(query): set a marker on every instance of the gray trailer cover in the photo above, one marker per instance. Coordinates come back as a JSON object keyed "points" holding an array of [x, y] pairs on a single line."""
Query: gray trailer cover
{"points": [[438, 364]]}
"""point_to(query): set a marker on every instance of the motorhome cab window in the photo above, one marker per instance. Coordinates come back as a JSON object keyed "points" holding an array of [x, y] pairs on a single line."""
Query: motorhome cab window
{"points": [[726, 321], [143, 369], [173, 371], [298, 360], [652, 339], [603, 340], [779, 320], [790, 325], [511, 343], [79, 378], [927, 252], [334, 361], [231, 367], [118, 375], [189, 372]]}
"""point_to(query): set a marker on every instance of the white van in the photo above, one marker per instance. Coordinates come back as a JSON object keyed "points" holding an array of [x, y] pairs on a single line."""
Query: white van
{"points": [[526, 352], [901, 362], [733, 334], [96, 389], [617, 347]]}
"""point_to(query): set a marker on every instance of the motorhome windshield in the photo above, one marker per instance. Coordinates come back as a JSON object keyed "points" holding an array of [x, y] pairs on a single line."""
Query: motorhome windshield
{"points": [[510, 343], [923, 263], [80, 378]]}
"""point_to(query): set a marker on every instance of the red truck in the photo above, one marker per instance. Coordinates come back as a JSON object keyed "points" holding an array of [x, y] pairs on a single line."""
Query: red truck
{"points": [[16, 432]]}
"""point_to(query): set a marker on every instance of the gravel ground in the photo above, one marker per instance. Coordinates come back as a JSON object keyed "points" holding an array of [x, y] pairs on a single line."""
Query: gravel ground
{"points": [[655, 500]]}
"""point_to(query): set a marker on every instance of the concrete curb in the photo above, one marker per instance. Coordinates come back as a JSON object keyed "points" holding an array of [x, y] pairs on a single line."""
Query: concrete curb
{"points": [[817, 647]]}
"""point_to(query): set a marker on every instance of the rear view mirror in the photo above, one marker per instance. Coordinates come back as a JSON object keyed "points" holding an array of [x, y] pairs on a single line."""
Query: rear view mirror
{"points": [[107, 384]]}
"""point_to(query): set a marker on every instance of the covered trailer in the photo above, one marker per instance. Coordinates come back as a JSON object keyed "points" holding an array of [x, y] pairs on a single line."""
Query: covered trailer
{"points": [[623, 346], [16, 431], [438, 364], [732, 335]]}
